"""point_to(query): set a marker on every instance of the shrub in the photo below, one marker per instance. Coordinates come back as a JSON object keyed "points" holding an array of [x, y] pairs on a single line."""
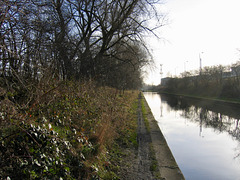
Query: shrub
{"points": [[66, 131]]}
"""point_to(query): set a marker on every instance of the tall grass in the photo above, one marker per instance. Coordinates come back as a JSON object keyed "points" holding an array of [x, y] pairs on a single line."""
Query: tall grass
{"points": [[66, 131]]}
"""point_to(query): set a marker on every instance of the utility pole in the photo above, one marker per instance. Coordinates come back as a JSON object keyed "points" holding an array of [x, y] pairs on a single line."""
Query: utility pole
{"points": [[161, 73]]}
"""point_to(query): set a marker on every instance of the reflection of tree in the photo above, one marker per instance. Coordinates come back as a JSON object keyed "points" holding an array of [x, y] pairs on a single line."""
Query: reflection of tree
{"points": [[236, 131], [220, 117], [215, 120], [237, 149]]}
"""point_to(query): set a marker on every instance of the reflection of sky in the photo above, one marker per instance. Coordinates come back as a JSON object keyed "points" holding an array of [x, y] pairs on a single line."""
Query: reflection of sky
{"points": [[205, 154]]}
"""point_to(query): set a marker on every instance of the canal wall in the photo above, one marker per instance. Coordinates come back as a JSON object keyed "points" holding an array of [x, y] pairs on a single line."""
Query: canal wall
{"points": [[166, 162]]}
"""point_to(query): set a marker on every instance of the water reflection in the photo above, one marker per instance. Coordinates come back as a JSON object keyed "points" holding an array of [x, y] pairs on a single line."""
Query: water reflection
{"points": [[203, 135], [219, 116]]}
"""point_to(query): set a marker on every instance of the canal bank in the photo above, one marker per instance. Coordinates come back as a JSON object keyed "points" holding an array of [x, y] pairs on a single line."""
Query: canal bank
{"points": [[231, 101], [167, 165], [203, 139]]}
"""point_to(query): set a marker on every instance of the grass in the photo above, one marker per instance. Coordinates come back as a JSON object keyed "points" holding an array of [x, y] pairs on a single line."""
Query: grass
{"points": [[211, 98], [72, 130], [154, 162], [144, 113]]}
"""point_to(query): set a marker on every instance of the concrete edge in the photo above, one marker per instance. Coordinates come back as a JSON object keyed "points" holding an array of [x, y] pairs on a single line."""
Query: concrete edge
{"points": [[168, 166]]}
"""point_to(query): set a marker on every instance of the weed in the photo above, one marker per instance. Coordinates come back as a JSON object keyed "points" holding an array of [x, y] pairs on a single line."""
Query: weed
{"points": [[144, 113], [68, 131]]}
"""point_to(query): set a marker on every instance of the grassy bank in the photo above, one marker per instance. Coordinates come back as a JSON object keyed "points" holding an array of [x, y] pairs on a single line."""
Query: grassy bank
{"points": [[68, 130], [144, 113], [205, 86], [203, 96]]}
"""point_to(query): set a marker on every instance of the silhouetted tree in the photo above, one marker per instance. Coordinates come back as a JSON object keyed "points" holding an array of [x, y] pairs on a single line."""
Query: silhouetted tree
{"points": [[71, 38]]}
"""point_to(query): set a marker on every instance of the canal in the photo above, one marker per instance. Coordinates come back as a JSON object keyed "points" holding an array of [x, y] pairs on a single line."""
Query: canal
{"points": [[204, 136]]}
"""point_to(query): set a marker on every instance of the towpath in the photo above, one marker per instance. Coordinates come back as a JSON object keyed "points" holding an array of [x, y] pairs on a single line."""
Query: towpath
{"points": [[153, 158]]}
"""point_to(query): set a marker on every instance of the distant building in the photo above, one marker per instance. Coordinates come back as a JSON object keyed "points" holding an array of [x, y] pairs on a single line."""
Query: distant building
{"points": [[165, 80], [227, 74], [235, 71]]}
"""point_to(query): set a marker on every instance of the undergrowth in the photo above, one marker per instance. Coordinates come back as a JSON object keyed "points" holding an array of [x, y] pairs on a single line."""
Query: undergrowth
{"points": [[69, 130], [144, 113]]}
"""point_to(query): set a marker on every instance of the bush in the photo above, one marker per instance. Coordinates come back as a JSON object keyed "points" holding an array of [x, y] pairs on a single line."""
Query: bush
{"points": [[65, 132]]}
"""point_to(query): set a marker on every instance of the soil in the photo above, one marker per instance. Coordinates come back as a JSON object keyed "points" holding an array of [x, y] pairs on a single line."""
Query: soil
{"points": [[152, 147]]}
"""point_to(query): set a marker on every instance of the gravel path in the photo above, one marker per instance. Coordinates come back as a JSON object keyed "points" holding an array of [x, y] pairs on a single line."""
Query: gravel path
{"points": [[138, 162], [144, 141]]}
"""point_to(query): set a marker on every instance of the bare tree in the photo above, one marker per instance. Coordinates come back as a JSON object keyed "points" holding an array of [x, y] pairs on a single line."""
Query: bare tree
{"points": [[72, 39]]}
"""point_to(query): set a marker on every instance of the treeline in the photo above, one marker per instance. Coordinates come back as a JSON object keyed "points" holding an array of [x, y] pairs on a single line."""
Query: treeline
{"points": [[59, 119], [215, 81], [72, 39]]}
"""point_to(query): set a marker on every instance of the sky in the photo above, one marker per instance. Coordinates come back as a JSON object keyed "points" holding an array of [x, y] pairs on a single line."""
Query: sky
{"points": [[206, 28]]}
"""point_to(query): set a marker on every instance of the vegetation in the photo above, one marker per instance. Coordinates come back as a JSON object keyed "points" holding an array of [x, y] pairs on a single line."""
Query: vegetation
{"points": [[59, 62], [71, 39], [144, 113], [72, 131], [220, 82]]}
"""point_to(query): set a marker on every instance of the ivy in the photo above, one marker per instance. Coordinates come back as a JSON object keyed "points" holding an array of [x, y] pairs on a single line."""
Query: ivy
{"points": [[64, 135], [35, 151]]}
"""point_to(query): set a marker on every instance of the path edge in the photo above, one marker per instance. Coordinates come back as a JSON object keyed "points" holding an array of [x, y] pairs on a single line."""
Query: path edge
{"points": [[167, 164]]}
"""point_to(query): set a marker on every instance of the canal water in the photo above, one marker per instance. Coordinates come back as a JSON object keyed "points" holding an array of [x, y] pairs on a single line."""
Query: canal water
{"points": [[204, 136]]}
